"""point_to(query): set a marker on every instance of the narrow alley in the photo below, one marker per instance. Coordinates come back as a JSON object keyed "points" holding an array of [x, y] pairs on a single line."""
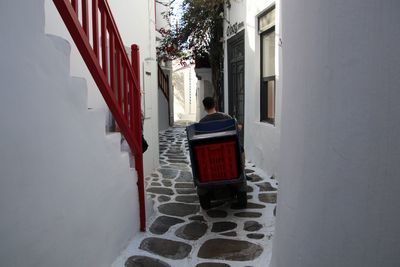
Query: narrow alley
{"points": [[312, 93], [180, 233]]}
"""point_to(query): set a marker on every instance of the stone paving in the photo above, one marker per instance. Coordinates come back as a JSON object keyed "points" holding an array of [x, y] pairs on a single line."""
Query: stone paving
{"points": [[180, 233]]}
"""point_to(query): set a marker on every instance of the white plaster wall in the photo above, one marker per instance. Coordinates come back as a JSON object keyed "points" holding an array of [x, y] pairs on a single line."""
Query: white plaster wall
{"points": [[161, 9], [150, 130], [339, 195], [193, 86], [190, 81], [186, 89], [204, 88], [140, 28], [67, 195], [185, 86], [55, 25], [178, 83], [265, 152], [136, 22], [161, 22]]}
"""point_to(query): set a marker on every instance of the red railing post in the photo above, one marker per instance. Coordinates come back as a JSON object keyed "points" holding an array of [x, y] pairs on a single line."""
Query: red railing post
{"points": [[85, 16], [74, 4], [95, 23], [138, 130], [104, 42]]}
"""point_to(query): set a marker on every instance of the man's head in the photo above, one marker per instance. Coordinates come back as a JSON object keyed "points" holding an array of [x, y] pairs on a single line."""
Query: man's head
{"points": [[209, 104]]}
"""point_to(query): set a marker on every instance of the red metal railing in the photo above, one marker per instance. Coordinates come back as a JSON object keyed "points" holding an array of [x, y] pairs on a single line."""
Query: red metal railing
{"points": [[93, 29]]}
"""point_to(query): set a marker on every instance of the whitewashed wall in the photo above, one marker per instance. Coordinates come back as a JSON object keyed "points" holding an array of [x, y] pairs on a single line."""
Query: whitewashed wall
{"points": [[136, 20], [55, 25], [67, 195], [204, 88], [192, 84], [162, 22], [184, 82], [265, 151], [136, 23], [339, 198]]}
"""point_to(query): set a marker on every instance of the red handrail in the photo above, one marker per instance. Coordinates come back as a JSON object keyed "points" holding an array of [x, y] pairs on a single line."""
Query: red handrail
{"points": [[116, 77]]}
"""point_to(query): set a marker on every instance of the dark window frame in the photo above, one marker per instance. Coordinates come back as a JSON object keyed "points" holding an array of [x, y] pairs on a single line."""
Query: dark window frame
{"points": [[265, 80]]}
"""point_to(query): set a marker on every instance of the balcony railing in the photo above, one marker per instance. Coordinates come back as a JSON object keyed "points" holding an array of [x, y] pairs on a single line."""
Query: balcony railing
{"points": [[163, 85], [163, 82]]}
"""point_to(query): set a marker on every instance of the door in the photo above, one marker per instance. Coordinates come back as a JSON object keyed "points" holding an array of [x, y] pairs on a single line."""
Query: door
{"points": [[236, 79]]}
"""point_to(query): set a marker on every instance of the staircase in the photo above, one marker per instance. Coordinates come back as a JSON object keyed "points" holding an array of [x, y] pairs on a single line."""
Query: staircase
{"points": [[94, 31], [67, 193]]}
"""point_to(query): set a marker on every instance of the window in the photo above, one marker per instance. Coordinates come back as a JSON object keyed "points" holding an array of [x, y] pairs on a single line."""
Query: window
{"points": [[266, 28]]}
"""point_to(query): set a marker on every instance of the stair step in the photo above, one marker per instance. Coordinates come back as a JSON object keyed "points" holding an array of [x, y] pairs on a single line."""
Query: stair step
{"points": [[114, 142], [64, 49], [114, 138], [98, 120], [128, 158], [79, 94]]}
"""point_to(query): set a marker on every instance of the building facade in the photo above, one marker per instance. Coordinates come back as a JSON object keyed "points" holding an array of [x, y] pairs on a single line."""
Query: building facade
{"points": [[324, 118], [338, 202], [165, 95], [184, 85], [253, 87]]}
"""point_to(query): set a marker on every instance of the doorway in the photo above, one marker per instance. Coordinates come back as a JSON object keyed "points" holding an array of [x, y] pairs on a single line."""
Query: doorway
{"points": [[236, 79]]}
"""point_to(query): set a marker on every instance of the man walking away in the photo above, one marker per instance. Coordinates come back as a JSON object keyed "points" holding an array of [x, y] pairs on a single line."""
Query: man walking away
{"points": [[212, 114]]}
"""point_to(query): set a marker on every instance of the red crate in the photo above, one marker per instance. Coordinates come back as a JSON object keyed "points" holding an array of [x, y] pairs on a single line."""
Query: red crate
{"points": [[217, 162]]}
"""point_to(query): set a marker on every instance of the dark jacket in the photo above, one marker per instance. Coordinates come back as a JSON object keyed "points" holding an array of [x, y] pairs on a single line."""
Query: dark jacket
{"points": [[216, 117]]}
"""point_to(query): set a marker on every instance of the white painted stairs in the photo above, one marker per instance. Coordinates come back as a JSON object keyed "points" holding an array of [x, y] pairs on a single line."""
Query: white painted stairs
{"points": [[68, 196]]}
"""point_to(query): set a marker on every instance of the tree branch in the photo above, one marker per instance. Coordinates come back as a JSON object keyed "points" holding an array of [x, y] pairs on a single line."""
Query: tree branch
{"points": [[167, 4]]}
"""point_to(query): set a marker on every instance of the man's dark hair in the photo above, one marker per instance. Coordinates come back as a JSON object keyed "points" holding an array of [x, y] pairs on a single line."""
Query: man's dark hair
{"points": [[208, 103]]}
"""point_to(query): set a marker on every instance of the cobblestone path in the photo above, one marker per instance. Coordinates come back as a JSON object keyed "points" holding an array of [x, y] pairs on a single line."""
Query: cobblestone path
{"points": [[180, 233]]}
